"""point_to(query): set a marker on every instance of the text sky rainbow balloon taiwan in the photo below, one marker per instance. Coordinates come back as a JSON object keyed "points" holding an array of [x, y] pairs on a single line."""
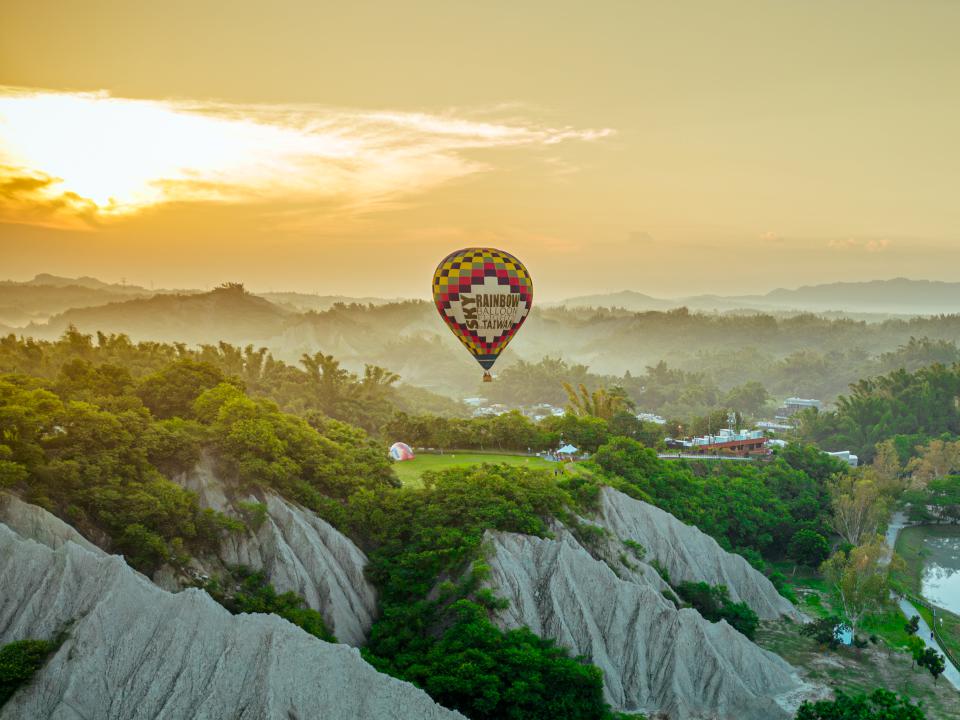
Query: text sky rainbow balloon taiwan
{"points": [[483, 295]]}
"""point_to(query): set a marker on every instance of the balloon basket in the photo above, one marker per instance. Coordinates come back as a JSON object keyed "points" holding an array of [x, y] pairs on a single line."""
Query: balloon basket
{"points": [[487, 377]]}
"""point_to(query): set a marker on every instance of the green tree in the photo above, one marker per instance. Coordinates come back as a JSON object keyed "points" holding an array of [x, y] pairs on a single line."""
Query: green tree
{"points": [[860, 578], [932, 661], [809, 547], [489, 674], [879, 705], [859, 507], [172, 391], [750, 398], [913, 625], [603, 403], [916, 646], [626, 424]]}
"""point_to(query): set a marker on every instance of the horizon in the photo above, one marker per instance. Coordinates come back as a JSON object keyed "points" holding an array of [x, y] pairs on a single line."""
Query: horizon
{"points": [[123, 281]]}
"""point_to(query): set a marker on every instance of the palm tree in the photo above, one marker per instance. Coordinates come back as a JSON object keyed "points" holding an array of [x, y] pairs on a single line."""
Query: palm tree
{"points": [[327, 379], [602, 403]]}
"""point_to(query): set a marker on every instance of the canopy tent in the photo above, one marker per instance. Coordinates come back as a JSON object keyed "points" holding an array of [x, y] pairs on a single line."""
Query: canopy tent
{"points": [[567, 450]]}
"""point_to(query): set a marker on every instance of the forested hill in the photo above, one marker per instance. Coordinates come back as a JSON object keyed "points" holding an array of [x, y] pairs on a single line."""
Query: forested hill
{"points": [[227, 313]]}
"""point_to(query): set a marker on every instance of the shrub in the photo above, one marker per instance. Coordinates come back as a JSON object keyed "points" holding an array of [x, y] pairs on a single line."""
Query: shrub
{"points": [[18, 662], [714, 603]]}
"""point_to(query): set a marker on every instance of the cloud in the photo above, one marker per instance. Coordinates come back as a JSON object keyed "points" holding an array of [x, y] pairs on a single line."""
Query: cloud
{"points": [[27, 198], [68, 158], [639, 237], [872, 245]]}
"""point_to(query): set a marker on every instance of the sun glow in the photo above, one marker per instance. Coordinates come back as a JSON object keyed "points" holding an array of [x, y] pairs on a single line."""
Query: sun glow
{"points": [[86, 157]]}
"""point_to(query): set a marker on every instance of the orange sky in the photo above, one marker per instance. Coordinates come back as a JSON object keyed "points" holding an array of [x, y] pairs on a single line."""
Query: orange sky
{"points": [[670, 148]]}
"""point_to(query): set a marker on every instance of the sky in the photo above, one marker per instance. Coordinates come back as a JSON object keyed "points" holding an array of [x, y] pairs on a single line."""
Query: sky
{"points": [[672, 148]]}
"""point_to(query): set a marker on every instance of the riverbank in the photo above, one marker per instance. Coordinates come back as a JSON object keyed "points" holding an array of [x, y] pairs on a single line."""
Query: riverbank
{"points": [[932, 563], [910, 608]]}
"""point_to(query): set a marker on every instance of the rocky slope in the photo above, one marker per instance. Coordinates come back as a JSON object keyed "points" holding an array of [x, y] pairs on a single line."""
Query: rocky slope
{"points": [[687, 553], [297, 551], [655, 658], [35, 523], [136, 651]]}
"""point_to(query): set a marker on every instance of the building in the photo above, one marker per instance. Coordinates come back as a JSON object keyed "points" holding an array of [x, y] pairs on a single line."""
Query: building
{"points": [[792, 405], [847, 457], [774, 427], [651, 418], [744, 443]]}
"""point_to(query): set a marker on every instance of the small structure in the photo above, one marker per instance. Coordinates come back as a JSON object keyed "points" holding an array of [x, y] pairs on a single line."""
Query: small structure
{"points": [[567, 452], [792, 405], [843, 634], [846, 456], [401, 451]]}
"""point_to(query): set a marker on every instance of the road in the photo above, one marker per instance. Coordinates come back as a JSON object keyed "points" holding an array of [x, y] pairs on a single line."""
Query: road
{"points": [[925, 634], [897, 523]]}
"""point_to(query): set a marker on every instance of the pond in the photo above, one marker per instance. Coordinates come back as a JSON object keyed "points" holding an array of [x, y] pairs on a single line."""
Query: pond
{"points": [[940, 578]]}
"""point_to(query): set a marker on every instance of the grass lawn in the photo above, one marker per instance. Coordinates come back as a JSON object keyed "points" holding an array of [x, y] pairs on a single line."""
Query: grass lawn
{"points": [[409, 471], [860, 671], [815, 599]]}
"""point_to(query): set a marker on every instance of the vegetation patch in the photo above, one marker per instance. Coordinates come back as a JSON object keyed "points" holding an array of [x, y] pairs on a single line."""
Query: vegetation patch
{"points": [[248, 591], [19, 661]]}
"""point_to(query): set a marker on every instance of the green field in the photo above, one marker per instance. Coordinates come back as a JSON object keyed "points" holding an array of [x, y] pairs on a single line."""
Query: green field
{"points": [[409, 471]]}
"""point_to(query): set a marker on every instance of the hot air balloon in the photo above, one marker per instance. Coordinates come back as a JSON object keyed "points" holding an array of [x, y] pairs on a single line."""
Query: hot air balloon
{"points": [[483, 295], [400, 451]]}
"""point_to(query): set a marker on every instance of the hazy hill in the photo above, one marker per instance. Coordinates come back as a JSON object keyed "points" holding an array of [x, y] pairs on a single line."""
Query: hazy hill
{"points": [[305, 302], [626, 299], [36, 300], [898, 296], [227, 313], [789, 353], [83, 281]]}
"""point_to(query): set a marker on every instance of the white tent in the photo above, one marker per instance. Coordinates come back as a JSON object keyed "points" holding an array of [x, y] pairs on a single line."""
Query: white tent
{"points": [[567, 450]]}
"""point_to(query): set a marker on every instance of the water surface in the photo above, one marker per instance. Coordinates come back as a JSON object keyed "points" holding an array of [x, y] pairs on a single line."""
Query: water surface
{"points": [[941, 568]]}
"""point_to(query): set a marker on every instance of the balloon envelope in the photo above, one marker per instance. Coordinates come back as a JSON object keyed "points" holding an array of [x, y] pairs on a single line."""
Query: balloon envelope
{"points": [[484, 295], [401, 451]]}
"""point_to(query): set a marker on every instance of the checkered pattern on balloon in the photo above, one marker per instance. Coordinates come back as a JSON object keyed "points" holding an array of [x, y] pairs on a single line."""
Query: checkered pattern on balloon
{"points": [[481, 270]]}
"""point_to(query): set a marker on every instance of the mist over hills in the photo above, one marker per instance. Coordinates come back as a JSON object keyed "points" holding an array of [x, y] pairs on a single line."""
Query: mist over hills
{"points": [[815, 354], [898, 296], [227, 313], [36, 300], [790, 354]]}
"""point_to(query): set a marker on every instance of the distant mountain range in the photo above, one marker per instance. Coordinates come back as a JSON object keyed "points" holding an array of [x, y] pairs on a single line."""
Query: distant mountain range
{"points": [[38, 300], [898, 296]]}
